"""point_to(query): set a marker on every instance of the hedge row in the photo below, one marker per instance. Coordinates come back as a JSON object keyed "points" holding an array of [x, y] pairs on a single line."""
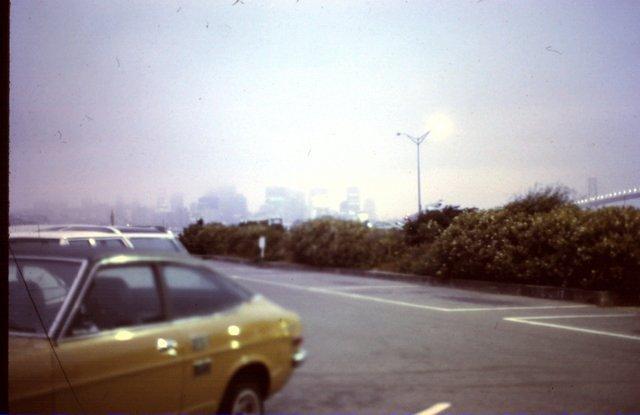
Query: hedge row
{"points": [[565, 247], [321, 242], [237, 240], [539, 238]]}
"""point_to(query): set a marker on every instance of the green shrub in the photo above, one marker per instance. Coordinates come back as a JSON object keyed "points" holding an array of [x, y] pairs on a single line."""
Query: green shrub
{"points": [[428, 225], [539, 238], [540, 200], [562, 247], [243, 241], [608, 253], [213, 239], [189, 235], [334, 243]]}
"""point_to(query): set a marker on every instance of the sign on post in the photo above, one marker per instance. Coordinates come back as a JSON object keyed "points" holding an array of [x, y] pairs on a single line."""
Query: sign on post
{"points": [[262, 244]]}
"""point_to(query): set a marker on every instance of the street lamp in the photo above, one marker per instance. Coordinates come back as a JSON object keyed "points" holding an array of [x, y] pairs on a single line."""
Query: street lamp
{"points": [[417, 141]]}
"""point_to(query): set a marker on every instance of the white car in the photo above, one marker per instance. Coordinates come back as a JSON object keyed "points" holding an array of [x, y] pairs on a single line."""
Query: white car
{"points": [[146, 238], [155, 238]]}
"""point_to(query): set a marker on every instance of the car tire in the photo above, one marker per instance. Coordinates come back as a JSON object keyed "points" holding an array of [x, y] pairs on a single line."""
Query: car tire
{"points": [[243, 397]]}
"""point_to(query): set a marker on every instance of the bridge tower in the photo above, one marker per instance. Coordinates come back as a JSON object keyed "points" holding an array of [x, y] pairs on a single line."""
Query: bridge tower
{"points": [[592, 187]]}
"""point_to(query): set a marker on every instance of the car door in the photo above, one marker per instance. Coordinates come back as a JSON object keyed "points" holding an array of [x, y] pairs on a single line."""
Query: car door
{"points": [[119, 354], [37, 289], [209, 316]]}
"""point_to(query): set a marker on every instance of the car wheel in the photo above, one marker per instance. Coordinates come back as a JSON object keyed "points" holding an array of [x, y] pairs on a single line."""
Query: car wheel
{"points": [[244, 398]]}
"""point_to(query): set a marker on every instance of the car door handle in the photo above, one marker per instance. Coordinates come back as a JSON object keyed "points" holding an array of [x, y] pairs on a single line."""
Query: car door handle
{"points": [[202, 366], [168, 346]]}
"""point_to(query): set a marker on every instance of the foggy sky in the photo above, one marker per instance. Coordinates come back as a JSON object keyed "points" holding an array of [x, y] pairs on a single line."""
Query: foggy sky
{"points": [[137, 99]]}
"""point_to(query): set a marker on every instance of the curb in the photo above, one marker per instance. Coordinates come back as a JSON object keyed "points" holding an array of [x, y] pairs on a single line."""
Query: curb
{"points": [[599, 298]]}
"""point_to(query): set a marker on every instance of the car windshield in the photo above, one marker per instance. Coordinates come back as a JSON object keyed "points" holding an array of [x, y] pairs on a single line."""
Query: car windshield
{"points": [[156, 244], [37, 289]]}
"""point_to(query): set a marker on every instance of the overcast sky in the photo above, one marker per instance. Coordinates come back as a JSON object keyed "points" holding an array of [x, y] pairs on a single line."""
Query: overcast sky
{"points": [[137, 99]]}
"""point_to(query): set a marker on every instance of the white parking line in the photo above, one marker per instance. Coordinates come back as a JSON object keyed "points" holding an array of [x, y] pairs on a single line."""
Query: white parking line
{"points": [[402, 303], [524, 307], [577, 316], [435, 409], [341, 294], [528, 320], [364, 287]]}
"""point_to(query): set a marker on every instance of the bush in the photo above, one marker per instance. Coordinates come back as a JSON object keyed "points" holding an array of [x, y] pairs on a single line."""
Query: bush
{"points": [[608, 253], [562, 247], [189, 236], [213, 239], [539, 238], [243, 241], [428, 225], [333, 243], [540, 201], [236, 240]]}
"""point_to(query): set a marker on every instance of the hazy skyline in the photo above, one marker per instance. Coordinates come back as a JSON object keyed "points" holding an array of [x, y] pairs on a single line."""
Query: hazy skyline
{"points": [[131, 100]]}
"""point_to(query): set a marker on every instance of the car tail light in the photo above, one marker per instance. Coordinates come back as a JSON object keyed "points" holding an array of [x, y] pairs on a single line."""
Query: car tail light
{"points": [[297, 341]]}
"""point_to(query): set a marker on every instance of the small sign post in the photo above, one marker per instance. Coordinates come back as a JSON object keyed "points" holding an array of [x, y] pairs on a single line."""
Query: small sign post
{"points": [[262, 244]]}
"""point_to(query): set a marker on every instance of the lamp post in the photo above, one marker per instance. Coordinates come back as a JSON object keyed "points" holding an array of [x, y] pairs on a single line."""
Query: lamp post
{"points": [[417, 141]]}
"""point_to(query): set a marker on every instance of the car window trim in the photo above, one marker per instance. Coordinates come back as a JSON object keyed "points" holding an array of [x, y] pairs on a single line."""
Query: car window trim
{"points": [[16, 333], [110, 332], [165, 307]]}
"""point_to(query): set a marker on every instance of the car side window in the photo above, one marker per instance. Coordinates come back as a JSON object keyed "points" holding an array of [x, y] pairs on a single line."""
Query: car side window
{"points": [[79, 242], [38, 298], [159, 244], [194, 291], [121, 296], [114, 243]]}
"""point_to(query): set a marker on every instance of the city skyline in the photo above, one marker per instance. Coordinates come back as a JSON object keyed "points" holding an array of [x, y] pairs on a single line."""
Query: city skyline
{"points": [[226, 205], [117, 99]]}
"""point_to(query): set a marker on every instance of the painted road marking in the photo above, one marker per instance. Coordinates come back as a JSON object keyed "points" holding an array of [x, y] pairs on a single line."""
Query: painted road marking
{"points": [[365, 287], [401, 303], [524, 307], [578, 316], [528, 320], [435, 409], [341, 294]]}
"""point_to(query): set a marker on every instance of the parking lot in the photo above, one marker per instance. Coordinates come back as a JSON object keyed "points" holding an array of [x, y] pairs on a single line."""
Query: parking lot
{"points": [[378, 346]]}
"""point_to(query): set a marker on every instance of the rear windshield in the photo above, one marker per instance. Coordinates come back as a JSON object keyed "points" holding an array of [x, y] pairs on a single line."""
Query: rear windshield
{"points": [[156, 244], [37, 289]]}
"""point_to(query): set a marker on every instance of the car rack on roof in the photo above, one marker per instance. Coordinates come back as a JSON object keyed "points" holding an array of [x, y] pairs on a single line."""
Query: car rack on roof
{"points": [[81, 228], [141, 229]]}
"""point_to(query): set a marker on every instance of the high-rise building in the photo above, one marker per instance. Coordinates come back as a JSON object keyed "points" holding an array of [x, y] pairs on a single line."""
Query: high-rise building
{"points": [[223, 205], [162, 205], [286, 204], [319, 203], [177, 202], [370, 209], [350, 207]]}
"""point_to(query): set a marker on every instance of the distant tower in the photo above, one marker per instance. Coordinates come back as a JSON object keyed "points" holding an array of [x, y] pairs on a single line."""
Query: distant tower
{"points": [[592, 187], [370, 208], [113, 217]]}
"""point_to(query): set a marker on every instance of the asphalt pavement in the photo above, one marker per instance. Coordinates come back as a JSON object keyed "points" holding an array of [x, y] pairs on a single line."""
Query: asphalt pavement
{"points": [[382, 346]]}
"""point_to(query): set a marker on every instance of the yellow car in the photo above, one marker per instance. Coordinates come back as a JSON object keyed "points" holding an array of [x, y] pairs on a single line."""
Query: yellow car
{"points": [[103, 331]]}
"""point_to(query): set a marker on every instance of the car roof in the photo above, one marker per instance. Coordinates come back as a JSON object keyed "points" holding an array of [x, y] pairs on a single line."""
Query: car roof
{"points": [[95, 254], [62, 234], [143, 229], [116, 230]]}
